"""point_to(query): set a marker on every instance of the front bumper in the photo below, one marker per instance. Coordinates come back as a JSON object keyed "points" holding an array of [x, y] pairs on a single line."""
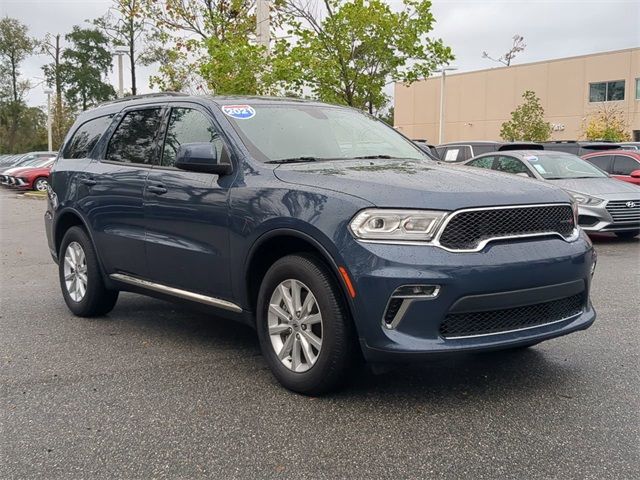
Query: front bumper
{"points": [[510, 274], [600, 218]]}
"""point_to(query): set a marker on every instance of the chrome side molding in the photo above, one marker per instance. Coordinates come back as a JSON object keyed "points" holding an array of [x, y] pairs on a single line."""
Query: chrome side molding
{"points": [[176, 292]]}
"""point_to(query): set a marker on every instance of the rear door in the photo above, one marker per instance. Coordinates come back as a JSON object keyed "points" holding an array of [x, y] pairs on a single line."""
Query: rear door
{"points": [[603, 162], [623, 165], [115, 183], [187, 212]]}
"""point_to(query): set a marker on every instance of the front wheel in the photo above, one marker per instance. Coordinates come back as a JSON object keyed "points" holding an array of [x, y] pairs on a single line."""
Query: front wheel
{"points": [[305, 332], [40, 184], [629, 234], [80, 277]]}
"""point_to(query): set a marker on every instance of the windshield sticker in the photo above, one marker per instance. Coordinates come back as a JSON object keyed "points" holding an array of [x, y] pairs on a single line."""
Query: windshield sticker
{"points": [[241, 112], [539, 168], [531, 158], [451, 155]]}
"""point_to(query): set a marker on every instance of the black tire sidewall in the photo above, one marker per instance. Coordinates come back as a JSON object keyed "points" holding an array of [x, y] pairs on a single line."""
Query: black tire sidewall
{"points": [[95, 287], [335, 355], [35, 183]]}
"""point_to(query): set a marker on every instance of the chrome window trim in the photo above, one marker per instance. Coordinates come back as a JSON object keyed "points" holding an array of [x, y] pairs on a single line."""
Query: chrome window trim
{"points": [[176, 292], [447, 219]]}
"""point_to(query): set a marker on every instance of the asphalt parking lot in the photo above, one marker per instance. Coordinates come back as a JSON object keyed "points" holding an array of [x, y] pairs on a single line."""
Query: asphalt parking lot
{"points": [[156, 390]]}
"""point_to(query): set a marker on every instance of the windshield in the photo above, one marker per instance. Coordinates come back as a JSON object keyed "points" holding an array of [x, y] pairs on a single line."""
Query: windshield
{"points": [[560, 166], [312, 132]]}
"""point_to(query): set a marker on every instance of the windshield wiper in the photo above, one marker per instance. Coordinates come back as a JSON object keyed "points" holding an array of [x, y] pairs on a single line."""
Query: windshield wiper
{"points": [[294, 160], [369, 157]]}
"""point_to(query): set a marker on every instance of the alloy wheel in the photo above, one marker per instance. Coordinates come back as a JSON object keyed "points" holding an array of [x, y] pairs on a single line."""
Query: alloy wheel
{"points": [[75, 271], [41, 185], [295, 325]]}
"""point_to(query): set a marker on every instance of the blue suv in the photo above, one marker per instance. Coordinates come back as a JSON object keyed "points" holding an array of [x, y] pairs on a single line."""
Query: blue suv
{"points": [[324, 229]]}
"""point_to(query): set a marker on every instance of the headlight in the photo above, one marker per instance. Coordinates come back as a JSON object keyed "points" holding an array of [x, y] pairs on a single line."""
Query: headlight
{"points": [[396, 225], [583, 199]]}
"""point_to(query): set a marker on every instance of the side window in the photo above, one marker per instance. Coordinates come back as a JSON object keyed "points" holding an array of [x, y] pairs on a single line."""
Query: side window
{"points": [[512, 165], [464, 154], [484, 162], [187, 125], [440, 152], [623, 165], [601, 161], [451, 154], [134, 139], [86, 137]]}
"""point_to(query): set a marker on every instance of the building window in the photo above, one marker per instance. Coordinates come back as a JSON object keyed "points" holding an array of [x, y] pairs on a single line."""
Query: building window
{"points": [[637, 88], [607, 91]]}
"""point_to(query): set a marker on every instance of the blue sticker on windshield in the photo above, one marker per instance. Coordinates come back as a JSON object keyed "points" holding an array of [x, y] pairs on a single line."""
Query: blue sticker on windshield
{"points": [[241, 112]]}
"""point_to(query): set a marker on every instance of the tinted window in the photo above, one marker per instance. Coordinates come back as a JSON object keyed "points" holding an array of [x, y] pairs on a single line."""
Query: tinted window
{"points": [[484, 162], [480, 149], [511, 165], [86, 137], [187, 126], [134, 139], [464, 154], [623, 165], [602, 161], [440, 152], [606, 91]]}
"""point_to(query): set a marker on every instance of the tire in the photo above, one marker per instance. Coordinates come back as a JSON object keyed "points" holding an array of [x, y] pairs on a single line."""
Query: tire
{"points": [[96, 300], [40, 184], [628, 235], [335, 358]]}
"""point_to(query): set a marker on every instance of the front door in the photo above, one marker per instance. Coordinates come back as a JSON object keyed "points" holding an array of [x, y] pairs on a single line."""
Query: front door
{"points": [[187, 239]]}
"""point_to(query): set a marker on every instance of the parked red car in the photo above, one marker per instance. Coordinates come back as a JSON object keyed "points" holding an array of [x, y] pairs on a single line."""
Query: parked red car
{"points": [[31, 178], [621, 164]]}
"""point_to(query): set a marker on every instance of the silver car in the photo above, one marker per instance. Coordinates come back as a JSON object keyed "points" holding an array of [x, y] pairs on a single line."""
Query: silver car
{"points": [[604, 204]]}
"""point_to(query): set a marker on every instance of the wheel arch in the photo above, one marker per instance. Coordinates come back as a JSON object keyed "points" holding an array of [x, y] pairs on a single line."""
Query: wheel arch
{"points": [[277, 243]]}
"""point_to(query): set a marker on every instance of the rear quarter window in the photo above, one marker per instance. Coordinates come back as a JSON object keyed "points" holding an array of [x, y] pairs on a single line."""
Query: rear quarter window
{"points": [[86, 137]]}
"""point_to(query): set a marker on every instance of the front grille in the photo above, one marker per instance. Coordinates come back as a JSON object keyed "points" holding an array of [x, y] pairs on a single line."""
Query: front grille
{"points": [[622, 213], [496, 321], [467, 229]]}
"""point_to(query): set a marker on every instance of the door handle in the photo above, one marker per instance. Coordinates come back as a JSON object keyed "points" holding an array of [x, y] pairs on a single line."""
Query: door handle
{"points": [[157, 189], [90, 182]]}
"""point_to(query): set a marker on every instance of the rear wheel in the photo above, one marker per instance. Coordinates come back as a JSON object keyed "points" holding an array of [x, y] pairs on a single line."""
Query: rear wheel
{"points": [[40, 184], [305, 332], [628, 234], [80, 277]]}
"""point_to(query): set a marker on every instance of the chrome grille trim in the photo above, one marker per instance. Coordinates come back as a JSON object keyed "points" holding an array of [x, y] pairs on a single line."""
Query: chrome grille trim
{"points": [[483, 243], [621, 213]]}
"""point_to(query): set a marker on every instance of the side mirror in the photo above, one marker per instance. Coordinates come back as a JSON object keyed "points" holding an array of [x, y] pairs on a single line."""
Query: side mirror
{"points": [[202, 157], [635, 174]]}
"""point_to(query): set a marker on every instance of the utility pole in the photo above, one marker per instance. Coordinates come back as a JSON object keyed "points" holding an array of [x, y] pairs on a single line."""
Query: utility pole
{"points": [[120, 51], [48, 91], [263, 23], [442, 94]]}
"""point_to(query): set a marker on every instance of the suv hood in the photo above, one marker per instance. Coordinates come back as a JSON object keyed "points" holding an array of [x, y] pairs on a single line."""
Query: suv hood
{"points": [[420, 184], [599, 186]]}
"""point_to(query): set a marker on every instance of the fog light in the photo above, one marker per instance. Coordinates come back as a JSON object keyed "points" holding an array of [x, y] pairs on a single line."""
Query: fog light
{"points": [[403, 297]]}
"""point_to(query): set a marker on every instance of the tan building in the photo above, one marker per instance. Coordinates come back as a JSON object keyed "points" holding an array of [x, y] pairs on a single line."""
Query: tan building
{"points": [[477, 103]]}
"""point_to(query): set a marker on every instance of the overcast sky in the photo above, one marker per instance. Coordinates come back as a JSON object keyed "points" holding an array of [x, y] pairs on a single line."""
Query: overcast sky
{"points": [[551, 28]]}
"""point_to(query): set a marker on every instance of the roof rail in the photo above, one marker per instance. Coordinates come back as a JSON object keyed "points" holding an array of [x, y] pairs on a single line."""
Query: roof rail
{"points": [[145, 95], [561, 141]]}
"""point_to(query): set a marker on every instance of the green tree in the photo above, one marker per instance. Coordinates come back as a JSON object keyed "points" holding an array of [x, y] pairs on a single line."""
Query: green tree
{"points": [[15, 47], [85, 64], [527, 121], [349, 54], [186, 32], [606, 123], [126, 25]]}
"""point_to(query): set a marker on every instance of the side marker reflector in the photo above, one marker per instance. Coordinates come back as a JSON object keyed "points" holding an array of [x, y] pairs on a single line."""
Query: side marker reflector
{"points": [[347, 281]]}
